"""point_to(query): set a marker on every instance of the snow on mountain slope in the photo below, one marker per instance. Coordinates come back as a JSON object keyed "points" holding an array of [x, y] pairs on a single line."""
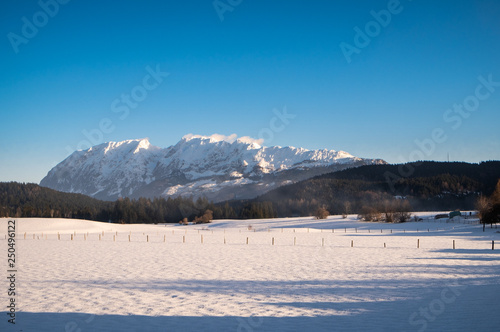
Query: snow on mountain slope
{"points": [[218, 167]]}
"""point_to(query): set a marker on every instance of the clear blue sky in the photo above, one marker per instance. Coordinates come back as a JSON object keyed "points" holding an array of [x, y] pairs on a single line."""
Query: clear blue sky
{"points": [[227, 76]]}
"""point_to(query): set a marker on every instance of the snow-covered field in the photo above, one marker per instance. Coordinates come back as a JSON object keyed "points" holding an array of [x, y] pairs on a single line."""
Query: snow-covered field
{"points": [[329, 275]]}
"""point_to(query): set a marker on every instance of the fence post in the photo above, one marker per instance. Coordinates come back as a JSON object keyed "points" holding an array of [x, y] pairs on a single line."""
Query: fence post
{"points": [[384, 245], [352, 243], [273, 241], [492, 245], [453, 244], [418, 243], [247, 239], [294, 240], [129, 238], [184, 239], [323, 242], [202, 238]]}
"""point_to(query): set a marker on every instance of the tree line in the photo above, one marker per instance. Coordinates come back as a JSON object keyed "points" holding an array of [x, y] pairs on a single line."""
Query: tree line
{"points": [[366, 191], [423, 186], [19, 200]]}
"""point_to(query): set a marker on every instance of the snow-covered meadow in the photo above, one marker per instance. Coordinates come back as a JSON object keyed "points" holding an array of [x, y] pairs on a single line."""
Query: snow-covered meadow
{"points": [[294, 274]]}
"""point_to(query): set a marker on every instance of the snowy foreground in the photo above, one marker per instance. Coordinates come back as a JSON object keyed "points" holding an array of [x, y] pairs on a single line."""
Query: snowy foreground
{"points": [[207, 278]]}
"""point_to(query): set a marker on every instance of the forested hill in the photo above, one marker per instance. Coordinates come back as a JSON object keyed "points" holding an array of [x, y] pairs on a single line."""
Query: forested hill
{"points": [[425, 185], [31, 200]]}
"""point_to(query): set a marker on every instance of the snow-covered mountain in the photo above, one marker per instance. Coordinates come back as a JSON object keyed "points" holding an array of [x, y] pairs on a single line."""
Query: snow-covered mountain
{"points": [[218, 167]]}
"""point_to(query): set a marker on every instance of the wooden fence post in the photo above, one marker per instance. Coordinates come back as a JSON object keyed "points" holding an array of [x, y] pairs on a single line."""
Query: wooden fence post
{"points": [[453, 244], [418, 243], [352, 243]]}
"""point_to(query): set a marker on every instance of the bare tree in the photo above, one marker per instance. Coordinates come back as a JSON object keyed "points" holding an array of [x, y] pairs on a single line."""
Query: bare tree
{"points": [[321, 213], [483, 206], [347, 209]]}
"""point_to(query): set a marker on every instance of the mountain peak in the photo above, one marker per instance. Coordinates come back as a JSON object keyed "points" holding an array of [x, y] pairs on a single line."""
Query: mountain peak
{"points": [[218, 167], [231, 139], [212, 138], [136, 145]]}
